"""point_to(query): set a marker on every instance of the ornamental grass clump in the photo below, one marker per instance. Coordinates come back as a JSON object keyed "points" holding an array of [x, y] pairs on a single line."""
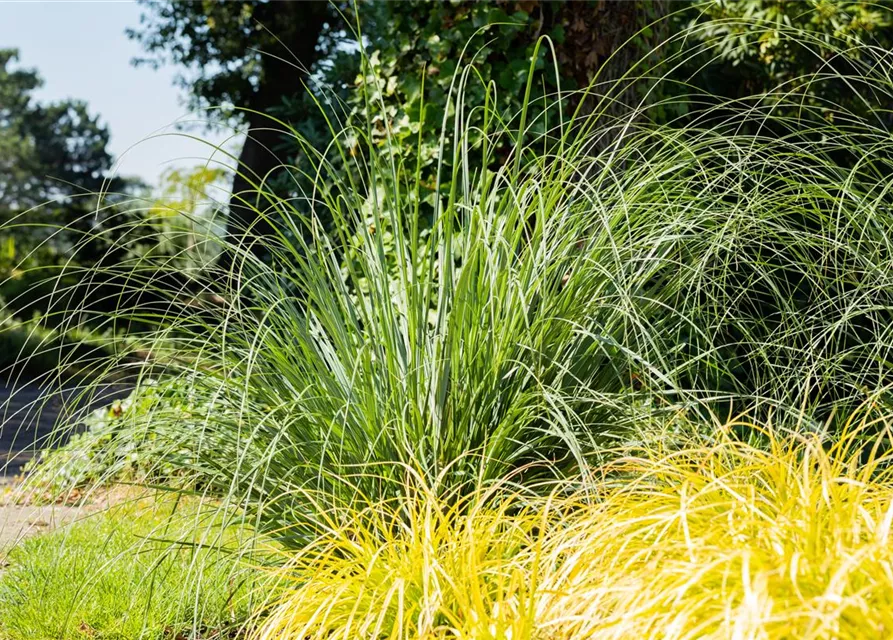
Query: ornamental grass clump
{"points": [[415, 566], [575, 277], [712, 537]]}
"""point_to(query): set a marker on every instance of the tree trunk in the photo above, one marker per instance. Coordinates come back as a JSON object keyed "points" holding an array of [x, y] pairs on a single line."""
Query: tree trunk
{"points": [[252, 217]]}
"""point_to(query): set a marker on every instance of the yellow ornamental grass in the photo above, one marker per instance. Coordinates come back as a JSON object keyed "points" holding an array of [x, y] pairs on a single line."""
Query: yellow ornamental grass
{"points": [[730, 540], [717, 538], [419, 567]]}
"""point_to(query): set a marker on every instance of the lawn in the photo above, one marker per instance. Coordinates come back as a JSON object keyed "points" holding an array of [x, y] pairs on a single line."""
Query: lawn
{"points": [[139, 569]]}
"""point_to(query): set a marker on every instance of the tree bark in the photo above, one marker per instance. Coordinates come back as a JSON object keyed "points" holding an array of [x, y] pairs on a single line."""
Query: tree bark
{"points": [[252, 218], [250, 215]]}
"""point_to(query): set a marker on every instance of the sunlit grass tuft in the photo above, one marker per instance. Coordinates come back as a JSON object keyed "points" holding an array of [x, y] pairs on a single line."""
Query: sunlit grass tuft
{"points": [[788, 537], [419, 566]]}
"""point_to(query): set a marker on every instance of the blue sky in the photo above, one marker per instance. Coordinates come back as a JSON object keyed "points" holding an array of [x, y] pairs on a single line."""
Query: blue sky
{"points": [[81, 51]]}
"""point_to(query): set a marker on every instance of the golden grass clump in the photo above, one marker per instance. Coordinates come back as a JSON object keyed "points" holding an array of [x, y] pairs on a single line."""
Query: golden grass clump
{"points": [[417, 567], [781, 536]]}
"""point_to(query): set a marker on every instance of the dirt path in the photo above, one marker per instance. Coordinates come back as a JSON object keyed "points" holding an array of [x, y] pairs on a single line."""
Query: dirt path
{"points": [[29, 417], [18, 522]]}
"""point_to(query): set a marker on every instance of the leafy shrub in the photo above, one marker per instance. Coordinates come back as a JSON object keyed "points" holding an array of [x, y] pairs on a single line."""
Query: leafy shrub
{"points": [[764, 44], [92, 455], [104, 449]]}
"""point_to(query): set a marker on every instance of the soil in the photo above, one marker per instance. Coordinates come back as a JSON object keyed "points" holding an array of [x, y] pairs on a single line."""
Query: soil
{"points": [[20, 521]]}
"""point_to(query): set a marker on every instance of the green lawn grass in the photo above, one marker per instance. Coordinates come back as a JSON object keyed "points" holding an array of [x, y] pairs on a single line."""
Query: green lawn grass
{"points": [[125, 573]]}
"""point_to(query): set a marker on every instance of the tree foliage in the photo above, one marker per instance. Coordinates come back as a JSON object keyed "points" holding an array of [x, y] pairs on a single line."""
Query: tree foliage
{"points": [[240, 61], [803, 46], [233, 54], [60, 209], [49, 151], [301, 64], [53, 163], [250, 56]]}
